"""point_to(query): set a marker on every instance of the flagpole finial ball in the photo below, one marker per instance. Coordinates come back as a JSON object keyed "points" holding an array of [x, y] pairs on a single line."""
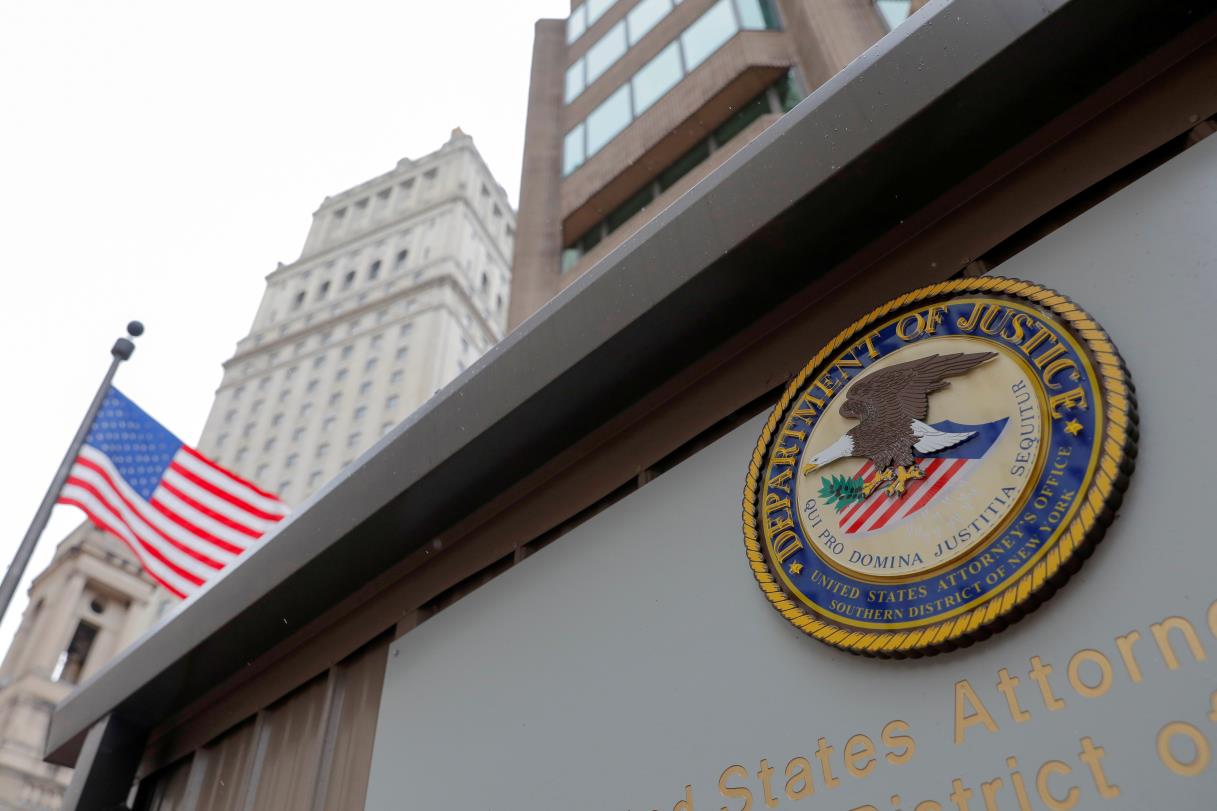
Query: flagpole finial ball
{"points": [[135, 329]]}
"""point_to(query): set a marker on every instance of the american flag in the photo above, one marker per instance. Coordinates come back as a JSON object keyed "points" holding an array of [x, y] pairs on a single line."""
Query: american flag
{"points": [[185, 517], [941, 469]]}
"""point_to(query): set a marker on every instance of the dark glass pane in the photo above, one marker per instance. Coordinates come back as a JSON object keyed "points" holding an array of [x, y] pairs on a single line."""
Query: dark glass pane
{"points": [[629, 208], [789, 91], [591, 239], [737, 123], [683, 165]]}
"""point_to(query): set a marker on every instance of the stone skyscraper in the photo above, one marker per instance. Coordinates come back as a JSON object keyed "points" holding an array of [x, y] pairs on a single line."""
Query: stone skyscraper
{"points": [[402, 283]]}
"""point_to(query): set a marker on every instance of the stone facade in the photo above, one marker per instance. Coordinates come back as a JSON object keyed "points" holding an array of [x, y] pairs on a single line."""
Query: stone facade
{"points": [[91, 602], [403, 283]]}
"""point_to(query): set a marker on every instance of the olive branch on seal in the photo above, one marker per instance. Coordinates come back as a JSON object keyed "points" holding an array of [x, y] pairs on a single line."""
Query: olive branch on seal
{"points": [[841, 491]]}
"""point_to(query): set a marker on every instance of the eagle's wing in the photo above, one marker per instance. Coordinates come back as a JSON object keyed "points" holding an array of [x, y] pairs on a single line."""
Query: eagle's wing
{"points": [[930, 439], [911, 383]]}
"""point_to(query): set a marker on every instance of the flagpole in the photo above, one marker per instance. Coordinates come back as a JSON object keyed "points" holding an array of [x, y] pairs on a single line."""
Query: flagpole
{"points": [[121, 351]]}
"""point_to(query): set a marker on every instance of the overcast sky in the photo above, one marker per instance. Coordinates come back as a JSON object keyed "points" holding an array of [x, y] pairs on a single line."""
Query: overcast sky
{"points": [[157, 159]]}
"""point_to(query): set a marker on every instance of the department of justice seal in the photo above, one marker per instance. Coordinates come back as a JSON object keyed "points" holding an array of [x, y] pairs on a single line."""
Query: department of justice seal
{"points": [[940, 468]]}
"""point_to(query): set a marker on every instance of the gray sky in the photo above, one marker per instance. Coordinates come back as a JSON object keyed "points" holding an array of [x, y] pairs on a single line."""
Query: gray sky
{"points": [[157, 159]]}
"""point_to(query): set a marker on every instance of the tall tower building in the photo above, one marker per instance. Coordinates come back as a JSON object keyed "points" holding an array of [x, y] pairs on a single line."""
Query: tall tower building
{"points": [[402, 283], [633, 101]]}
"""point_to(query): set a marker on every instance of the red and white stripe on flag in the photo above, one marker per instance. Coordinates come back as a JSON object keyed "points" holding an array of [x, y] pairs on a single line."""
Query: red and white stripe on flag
{"points": [[199, 519]]}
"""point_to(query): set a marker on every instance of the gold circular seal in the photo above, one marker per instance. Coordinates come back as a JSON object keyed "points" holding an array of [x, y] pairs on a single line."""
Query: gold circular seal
{"points": [[940, 468]]}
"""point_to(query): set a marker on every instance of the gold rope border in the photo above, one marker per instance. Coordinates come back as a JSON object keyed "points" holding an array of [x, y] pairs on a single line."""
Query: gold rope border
{"points": [[1067, 548]]}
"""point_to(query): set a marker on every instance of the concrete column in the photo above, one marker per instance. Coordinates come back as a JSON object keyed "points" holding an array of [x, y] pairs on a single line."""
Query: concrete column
{"points": [[538, 248], [829, 34]]}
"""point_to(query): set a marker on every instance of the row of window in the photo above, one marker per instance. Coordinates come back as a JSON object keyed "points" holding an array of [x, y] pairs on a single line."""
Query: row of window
{"points": [[404, 186], [585, 16], [779, 98], [323, 339], [613, 45], [348, 279], [693, 46]]}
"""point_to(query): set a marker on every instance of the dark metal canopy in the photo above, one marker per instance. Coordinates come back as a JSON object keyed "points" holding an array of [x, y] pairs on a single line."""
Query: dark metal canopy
{"points": [[920, 112]]}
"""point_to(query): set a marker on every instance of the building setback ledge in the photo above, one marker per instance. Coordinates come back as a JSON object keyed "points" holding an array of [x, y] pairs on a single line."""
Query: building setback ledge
{"points": [[916, 115]]}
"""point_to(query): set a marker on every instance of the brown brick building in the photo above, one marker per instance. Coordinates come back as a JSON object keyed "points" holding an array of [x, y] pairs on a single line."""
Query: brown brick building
{"points": [[634, 101]]}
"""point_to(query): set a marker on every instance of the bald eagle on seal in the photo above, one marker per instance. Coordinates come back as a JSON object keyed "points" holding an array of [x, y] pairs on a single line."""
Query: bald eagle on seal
{"points": [[891, 406]]}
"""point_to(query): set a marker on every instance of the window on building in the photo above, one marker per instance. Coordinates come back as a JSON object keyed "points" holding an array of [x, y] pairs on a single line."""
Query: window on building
{"points": [[576, 24], [276, 420], [230, 415], [220, 441], [384, 427], [498, 302], [298, 301], [406, 185], [297, 435], [311, 387], [607, 50], [260, 474], [656, 78], [574, 82], [596, 9], [401, 353], [348, 280], [291, 460], [269, 445], [396, 377], [240, 457], [402, 256], [335, 398], [314, 478], [72, 661], [237, 392], [364, 388], [893, 12], [248, 429], [377, 339], [290, 373], [340, 376], [645, 16], [360, 413], [610, 118], [263, 383], [284, 394], [284, 486], [572, 149], [306, 409], [404, 330], [323, 290], [369, 365], [327, 424], [354, 439], [708, 33], [391, 402], [758, 15], [322, 450], [430, 174], [374, 269]]}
